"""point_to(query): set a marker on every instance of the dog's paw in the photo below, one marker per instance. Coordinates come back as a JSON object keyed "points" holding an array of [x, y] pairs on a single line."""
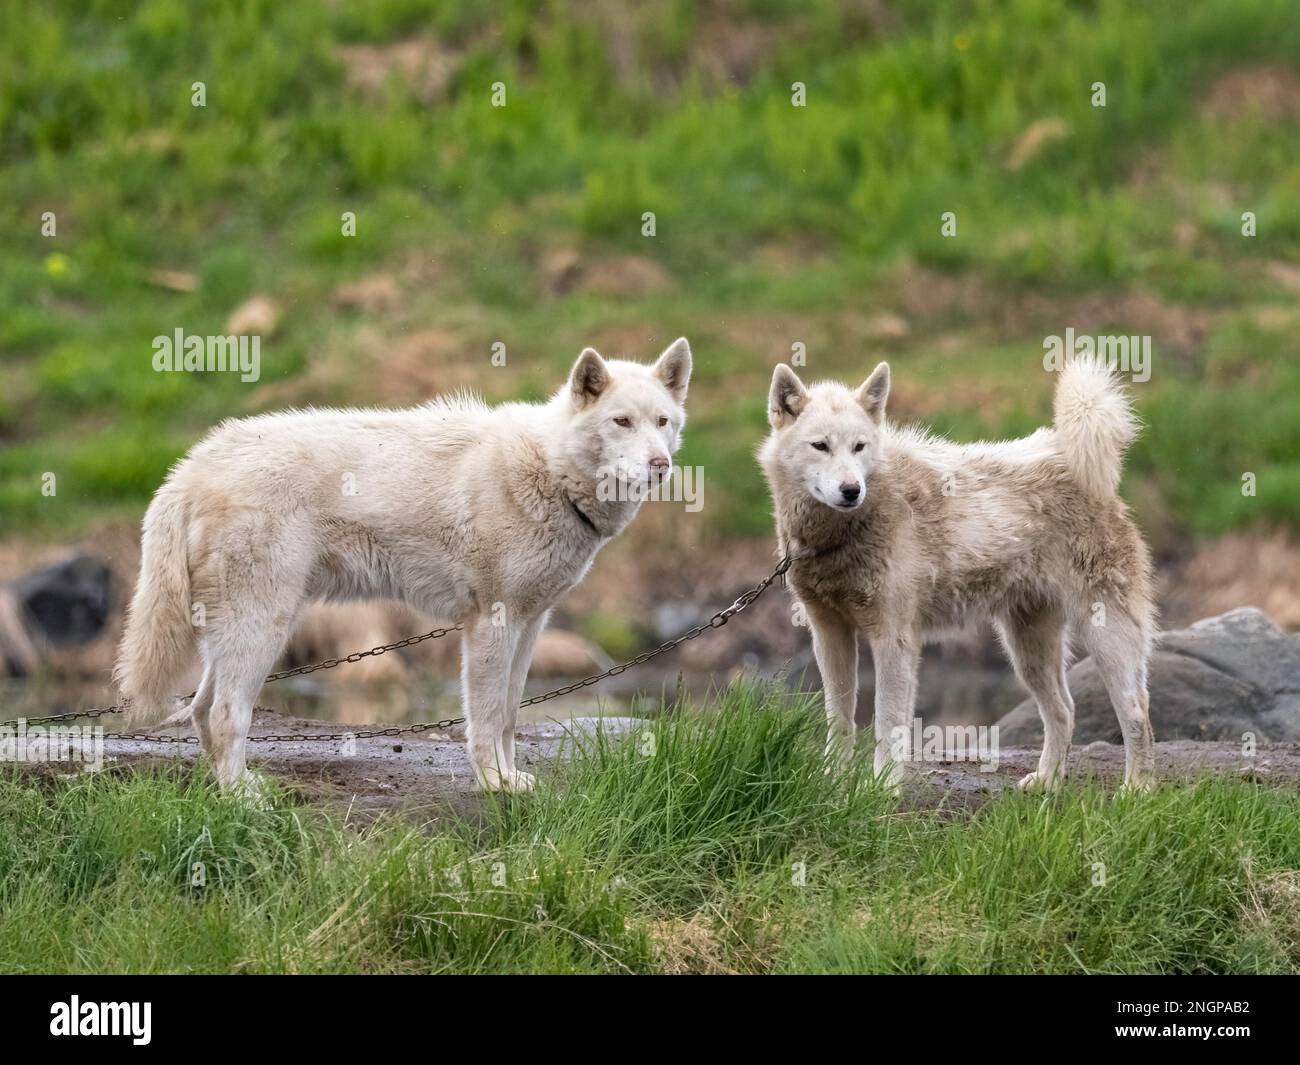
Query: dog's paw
{"points": [[838, 752], [892, 787], [837, 760], [890, 773], [512, 780], [1038, 782], [522, 781], [1137, 786], [250, 789]]}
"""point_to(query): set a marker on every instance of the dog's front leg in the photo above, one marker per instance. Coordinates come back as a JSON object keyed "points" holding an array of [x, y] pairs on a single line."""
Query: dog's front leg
{"points": [[518, 677], [835, 645], [897, 658], [487, 654]]}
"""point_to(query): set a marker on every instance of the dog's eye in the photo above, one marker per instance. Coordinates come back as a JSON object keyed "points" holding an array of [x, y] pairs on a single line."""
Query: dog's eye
{"points": [[662, 422], [625, 423], [858, 447], [821, 445]]}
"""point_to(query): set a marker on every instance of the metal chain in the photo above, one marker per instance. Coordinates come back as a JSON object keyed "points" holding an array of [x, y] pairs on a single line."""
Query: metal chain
{"points": [[328, 663], [719, 619], [716, 621], [357, 656], [365, 733]]}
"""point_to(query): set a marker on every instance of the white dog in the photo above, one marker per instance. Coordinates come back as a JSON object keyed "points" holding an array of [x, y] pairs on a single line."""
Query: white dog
{"points": [[485, 516], [899, 535]]}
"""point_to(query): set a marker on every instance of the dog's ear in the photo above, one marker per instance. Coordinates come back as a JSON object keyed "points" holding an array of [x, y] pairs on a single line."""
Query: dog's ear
{"points": [[673, 368], [787, 397], [589, 378], [874, 392]]}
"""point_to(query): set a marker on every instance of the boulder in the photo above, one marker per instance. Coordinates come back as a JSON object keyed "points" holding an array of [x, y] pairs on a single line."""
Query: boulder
{"points": [[1220, 678], [66, 604]]}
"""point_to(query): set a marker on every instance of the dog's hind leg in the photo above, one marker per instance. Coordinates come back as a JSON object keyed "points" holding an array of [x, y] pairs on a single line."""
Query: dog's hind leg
{"points": [[1119, 648], [1035, 643], [254, 589], [196, 707], [199, 711], [835, 646], [487, 655], [238, 679], [200, 708], [243, 648], [897, 658]]}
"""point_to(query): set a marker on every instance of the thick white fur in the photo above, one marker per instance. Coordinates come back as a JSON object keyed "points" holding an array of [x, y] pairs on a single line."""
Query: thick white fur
{"points": [[899, 536], [464, 511], [1094, 424]]}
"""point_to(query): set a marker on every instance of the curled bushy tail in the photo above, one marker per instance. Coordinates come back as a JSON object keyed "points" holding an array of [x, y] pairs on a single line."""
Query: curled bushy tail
{"points": [[1094, 424], [159, 638]]}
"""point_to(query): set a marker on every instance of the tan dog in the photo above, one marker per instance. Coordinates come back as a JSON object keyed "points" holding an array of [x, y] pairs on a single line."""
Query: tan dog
{"points": [[901, 535]]}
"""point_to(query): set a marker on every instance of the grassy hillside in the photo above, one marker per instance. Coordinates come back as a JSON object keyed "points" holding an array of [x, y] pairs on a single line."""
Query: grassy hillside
{"points": [[775, 224]]}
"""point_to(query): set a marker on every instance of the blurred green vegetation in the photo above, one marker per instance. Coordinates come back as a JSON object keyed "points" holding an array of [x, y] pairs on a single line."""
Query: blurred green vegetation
{"points": [[775, 224]]}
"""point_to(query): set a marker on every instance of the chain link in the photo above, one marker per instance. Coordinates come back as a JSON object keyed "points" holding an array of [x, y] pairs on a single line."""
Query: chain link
{"points": [[328, 663], [357, 656], [719, 618], [365, 733], [715, 621]]}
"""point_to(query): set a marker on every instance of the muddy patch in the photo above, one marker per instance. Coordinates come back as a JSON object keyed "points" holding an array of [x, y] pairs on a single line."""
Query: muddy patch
{"points": [[428, 776]]}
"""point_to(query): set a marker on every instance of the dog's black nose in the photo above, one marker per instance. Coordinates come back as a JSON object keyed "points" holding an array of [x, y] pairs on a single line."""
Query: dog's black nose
{"points": [[850, 492]]}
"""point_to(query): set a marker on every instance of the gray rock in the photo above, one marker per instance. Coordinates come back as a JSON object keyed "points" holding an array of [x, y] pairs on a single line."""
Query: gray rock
{"points": [[68, 602], [1222, 677], [63, 605], [1243, 643]]}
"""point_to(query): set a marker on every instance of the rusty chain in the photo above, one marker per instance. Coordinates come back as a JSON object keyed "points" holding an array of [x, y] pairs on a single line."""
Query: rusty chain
{"points": [[715, 621]]}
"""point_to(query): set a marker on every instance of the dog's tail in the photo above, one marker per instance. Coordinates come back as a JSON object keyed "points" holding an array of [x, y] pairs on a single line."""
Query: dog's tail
{"points": [[159, 638], [1095, 423]]}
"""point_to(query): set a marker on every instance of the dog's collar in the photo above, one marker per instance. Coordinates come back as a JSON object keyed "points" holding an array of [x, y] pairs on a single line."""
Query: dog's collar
{"points": [[583, 517]]}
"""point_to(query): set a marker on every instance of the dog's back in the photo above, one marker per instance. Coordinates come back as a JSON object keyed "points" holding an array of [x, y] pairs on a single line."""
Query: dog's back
{"points": [[998, 526]]}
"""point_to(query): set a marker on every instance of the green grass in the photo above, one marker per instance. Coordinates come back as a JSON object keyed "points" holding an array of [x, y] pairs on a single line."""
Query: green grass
{"points": [[711, 842], [776, 224]]}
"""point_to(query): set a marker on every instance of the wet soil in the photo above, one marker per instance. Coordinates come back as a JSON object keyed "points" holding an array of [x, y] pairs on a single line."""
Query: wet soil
{"points": [[428, 775]]}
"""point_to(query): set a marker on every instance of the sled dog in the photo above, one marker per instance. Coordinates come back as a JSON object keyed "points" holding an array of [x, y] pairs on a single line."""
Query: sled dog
{"points": [[482, 515], [898, 536]]}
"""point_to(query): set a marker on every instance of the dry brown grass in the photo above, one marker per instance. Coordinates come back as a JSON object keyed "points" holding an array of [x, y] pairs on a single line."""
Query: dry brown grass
{"points": [[1240, 569]]}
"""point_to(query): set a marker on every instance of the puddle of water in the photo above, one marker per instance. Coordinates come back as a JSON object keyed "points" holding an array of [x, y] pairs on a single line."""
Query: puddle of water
{"points": [[387, 703], [949, 693]]}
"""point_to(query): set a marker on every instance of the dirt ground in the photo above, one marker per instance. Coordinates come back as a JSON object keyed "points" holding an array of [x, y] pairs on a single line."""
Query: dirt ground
{"points": [[428, 776]]}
